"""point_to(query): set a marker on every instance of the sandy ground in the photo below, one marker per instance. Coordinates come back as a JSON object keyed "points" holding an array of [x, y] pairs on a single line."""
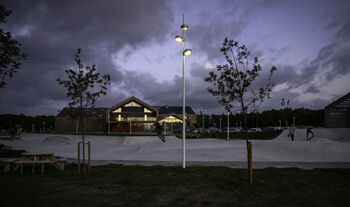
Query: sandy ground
{"points": [[327, 147]]}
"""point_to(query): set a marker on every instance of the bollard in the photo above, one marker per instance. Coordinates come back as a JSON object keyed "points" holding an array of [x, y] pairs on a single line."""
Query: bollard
{"points": [[250, 159], [89, 156], [78, 157]]}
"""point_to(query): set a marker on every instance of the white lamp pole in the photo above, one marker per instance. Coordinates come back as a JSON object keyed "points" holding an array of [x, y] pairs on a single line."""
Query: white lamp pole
{"points": [[294, 121], [228, 126], [203, 121], [183, 99], [185, 52]]}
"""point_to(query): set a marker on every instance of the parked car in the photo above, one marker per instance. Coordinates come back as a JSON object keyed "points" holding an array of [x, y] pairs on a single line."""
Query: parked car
{"points": [[254, 130], [198, 130], [212, 130], [235, 129], [232, 129], [273, 128]]}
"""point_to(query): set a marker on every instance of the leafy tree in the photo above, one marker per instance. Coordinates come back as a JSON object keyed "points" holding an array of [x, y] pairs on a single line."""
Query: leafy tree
{"points": [[233, 86], [286, 111], [233, 83], [81, 89], [10, 53]]}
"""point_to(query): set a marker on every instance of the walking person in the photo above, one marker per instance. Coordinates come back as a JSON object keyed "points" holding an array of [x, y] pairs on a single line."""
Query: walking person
{"points": [[292, 130], [309, 131]]}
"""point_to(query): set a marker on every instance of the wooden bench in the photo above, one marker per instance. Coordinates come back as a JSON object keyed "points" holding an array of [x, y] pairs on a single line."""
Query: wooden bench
{"points": [[8, 164], [21, 163], [43, 162], [60, 163], [41, 159]]}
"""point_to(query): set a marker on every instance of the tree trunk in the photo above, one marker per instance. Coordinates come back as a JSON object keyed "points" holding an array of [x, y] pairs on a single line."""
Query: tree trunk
{"points": [[245, 127], [82, 134], [249, 151]]}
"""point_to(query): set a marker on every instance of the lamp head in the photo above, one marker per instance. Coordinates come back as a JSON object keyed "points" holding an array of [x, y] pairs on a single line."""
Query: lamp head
{"points": [[184, 27], [179, 38], [187, 52]]}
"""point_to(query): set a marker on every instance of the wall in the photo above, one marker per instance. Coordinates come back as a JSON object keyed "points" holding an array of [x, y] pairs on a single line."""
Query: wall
{"points": [[337, 118], [69, 125]]}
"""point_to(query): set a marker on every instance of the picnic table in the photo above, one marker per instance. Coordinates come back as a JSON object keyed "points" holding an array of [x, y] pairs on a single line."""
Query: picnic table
{"points": [[34, 158]]}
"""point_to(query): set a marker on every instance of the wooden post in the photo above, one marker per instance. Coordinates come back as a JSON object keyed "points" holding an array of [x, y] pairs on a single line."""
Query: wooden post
{"points": [[76, 127], [250, 159], [78, 157], [89, 156]]}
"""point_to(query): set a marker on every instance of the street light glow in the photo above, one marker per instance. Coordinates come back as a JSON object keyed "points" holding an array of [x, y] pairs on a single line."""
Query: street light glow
{"points": [[179, 38], [187, 52], [184, 27]]}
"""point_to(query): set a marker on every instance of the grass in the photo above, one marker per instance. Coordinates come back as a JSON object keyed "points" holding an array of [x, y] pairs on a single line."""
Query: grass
{"points": [[117, 185]]}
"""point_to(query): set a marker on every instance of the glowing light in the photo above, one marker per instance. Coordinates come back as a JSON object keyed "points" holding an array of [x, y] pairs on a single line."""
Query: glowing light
{"points": [[187, 52], [184, 27], [179, 38]]}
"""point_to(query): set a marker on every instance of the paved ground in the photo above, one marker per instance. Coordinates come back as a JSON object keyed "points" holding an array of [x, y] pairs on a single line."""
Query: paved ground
{"points": [[329, 148]]}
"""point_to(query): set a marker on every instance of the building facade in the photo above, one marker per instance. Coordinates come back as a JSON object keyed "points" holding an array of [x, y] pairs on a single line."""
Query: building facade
{"points": [[129, 116], [337, 114]]}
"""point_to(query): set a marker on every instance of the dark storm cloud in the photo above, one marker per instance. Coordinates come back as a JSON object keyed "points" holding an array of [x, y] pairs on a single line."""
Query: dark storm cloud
{"points": [[332, 61], [51, 31], [208, 36], [146, 87]]}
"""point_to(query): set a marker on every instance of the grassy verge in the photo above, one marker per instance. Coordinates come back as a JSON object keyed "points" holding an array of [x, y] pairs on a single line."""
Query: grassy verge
{"points": [[117, 185], [264, 135]]}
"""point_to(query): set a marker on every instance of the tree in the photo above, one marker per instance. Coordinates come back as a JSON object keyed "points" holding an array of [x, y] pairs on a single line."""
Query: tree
{"points": [[10, 53], [233, 85], [286, 110], [81, 89]]}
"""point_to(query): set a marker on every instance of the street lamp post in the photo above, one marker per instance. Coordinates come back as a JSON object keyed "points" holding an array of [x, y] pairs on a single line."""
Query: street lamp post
{"points": [[228, 126], [220, 123], [203, 120], [280, 124], [294, 121], [185, 52]]}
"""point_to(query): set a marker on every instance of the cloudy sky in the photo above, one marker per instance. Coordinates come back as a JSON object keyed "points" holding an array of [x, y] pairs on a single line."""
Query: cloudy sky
{"points": [[133, 41]]}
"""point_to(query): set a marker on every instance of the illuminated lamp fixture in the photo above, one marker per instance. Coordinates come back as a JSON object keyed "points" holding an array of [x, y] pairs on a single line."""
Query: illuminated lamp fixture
{"points": [[179, 38], [184, 27], [187, 52]]}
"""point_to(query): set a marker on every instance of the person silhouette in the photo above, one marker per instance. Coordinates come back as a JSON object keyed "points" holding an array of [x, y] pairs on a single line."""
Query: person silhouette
{"points": [[309, 131], [292, 130], [159, 130]]}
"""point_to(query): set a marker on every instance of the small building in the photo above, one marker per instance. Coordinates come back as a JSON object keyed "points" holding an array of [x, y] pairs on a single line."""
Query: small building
{"points": [[131, 115], [68, 120], [337, 114], [171, 117]]}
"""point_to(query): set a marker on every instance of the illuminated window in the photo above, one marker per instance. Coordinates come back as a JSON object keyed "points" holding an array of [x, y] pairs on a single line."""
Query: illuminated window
{"points": [[117, 110], [147, 110], [119, 117], [171, 119], [145, 117], [132, 104]]}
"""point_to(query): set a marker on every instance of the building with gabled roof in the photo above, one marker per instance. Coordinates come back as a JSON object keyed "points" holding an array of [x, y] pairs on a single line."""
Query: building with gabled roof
{"points": [[337, 114], [130, 115]]}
